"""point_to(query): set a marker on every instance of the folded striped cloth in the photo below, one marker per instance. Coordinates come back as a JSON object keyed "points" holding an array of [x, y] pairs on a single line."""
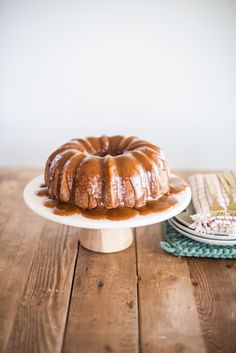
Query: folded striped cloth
{"points": [[209, 190]]}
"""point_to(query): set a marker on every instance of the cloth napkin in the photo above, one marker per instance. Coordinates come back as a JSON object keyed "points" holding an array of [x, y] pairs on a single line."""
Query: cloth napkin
{"points": [[205, 221]]}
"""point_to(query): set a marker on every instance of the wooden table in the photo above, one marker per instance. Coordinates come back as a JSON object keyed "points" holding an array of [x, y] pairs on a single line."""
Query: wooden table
{"points": [[55, 296]]}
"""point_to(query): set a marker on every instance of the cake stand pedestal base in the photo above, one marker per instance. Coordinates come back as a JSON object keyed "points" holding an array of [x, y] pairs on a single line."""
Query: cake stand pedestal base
{"points": [[106, 240]]}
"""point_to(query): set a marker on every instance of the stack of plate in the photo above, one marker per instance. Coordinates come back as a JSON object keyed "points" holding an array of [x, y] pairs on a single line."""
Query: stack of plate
{"points": [[182, 223]]}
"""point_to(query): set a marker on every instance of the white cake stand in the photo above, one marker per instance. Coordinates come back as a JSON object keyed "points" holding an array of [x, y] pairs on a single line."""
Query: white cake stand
{"points": [[104, 236]]}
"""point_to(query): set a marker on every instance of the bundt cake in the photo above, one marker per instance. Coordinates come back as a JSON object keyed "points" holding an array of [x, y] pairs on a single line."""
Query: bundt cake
{"points": [[107, 172]]}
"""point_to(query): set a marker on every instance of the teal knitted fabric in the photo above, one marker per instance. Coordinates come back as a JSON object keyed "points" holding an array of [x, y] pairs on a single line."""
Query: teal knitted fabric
{"points": [[179, 245]]}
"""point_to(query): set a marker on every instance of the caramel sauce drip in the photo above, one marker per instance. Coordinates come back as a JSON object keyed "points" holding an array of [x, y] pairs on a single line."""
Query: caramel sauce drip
{"points": [[66, 209], [50, 203], [157, 206], [121, 171], [115, 214], [42, 192], [177, 185]]}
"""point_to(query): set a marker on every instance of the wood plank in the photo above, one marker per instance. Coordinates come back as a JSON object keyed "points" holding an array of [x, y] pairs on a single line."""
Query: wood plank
{"points": [[36, 272], [41, 317], [168, 315], [19, 233], [12, 182], [103, 310], [215, 294], [231, 269]]}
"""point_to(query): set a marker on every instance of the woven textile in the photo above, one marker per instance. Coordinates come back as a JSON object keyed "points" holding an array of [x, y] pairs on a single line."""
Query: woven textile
{"points": [[179, 245], [202, 199]]}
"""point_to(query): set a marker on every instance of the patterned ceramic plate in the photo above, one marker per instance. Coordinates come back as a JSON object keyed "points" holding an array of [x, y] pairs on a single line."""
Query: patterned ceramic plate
{"points": [[184, 219], [185, 216], [208, 239], [207, 236]]}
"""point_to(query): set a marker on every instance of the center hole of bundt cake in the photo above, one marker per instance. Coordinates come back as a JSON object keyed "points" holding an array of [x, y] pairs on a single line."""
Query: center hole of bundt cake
{"points": [[109, 153]]}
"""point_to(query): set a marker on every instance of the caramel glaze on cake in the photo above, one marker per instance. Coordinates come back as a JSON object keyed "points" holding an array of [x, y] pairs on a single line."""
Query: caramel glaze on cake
{"points": [[115, 214], [107, 172]]}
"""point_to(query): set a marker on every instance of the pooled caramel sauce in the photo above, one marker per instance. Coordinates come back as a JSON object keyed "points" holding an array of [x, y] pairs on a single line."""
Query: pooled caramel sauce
{"points": [[66, 209], [43, 185], [96, 213], [115, 214], [122, 213], [157, 206], [42, 192], [62, 209], [177, 185], [50, 203]]}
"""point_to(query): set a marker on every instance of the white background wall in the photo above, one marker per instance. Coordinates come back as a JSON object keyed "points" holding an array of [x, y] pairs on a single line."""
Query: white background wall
{"points": [[162, 70]]}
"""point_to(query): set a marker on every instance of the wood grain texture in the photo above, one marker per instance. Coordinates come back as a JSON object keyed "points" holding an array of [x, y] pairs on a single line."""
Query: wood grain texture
{"points": [[19, 233], [36, 273], [54, 299], [103, 310], [41, 317], [168, 316], [215, 300]]}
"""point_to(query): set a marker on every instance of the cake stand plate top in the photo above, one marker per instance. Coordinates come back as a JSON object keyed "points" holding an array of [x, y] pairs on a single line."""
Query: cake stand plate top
{"points": [[35, 203]]}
